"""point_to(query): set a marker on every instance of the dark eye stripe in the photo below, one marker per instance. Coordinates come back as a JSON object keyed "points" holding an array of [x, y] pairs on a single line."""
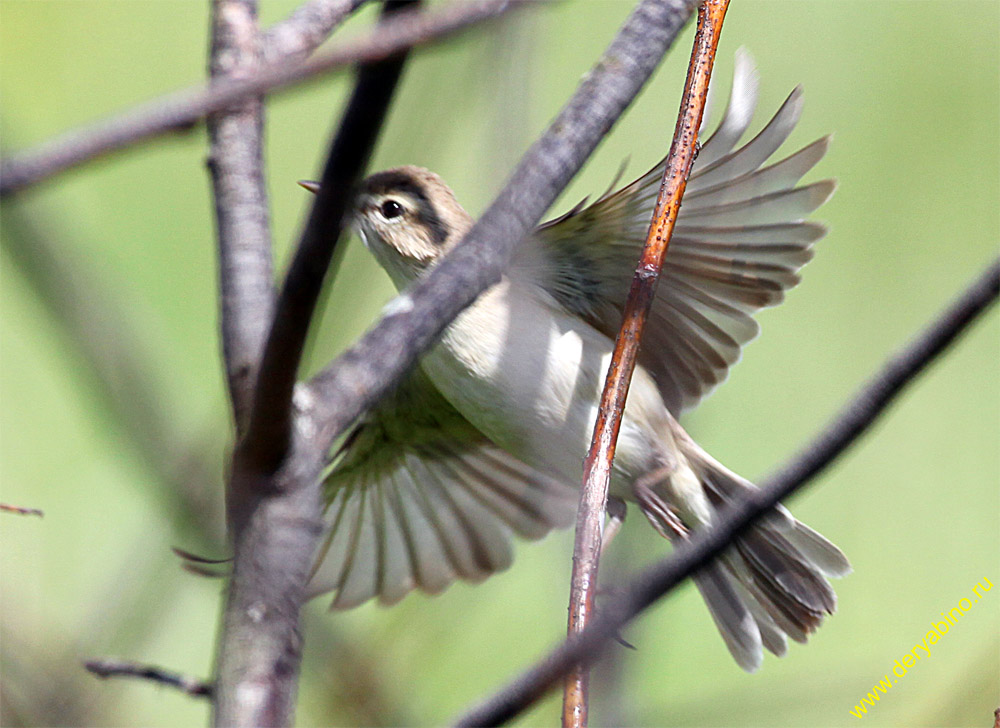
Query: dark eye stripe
{"points": [[429, 217], [389, 182]]}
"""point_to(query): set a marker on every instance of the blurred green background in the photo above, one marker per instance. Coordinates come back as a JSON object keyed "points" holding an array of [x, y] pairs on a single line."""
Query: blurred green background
{"points": [[114, 419]]}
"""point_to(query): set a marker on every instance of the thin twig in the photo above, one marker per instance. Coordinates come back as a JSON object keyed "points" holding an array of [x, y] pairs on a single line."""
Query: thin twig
{"points": [[597, 466], [236, 163], [271, 419], [178, 111], [704, 545], [362, 374], [110, 667], [273, 502], [308, 26], [21, 510]]}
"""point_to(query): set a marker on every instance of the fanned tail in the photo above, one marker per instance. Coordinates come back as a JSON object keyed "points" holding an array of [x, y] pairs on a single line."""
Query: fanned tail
{"points": [[772, 583]]}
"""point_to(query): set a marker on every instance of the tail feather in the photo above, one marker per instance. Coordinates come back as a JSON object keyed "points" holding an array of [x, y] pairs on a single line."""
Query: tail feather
{"points": [[772, 636], [821, 553], [785, 621], [771, 584], [732, 616], [785, 587], [780, 567]]}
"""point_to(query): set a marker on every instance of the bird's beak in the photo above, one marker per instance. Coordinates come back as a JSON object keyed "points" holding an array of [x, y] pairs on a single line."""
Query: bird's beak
{"points": [[311, 186]]}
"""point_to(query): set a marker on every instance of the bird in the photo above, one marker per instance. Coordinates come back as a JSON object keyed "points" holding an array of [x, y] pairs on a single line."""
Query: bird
{"points": [[485, 438]]}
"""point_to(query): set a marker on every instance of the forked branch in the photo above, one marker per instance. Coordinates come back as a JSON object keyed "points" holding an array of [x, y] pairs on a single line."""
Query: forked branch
{"points": [[271, 421], [273, 495]]}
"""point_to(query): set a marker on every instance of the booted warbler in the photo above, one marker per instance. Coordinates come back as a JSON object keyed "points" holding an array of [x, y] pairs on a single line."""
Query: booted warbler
{"points": [[486, 438]]}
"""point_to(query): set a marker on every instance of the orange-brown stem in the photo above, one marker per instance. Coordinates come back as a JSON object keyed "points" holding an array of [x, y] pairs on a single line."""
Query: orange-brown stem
{"points": [[597, 466]]}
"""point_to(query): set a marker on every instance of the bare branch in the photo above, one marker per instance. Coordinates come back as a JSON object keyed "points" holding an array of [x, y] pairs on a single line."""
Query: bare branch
{"points": [[180, 110], [302, 31], [271, 420], [235, 159], [653, 583], [356, 379], [110, 667], [20, 510], [597, 465], [274, 504]]}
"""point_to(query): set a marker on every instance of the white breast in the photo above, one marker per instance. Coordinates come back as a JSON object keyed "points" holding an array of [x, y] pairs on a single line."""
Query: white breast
{"points": [[529, 376]]}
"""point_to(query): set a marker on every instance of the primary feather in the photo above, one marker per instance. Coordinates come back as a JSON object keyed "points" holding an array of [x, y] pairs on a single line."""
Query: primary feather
{"points": [[739, 241]]}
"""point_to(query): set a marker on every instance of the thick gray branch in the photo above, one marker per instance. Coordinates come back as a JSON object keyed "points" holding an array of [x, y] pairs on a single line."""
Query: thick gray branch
{"points": [[275, 534], [243, 230], [273, 501]]}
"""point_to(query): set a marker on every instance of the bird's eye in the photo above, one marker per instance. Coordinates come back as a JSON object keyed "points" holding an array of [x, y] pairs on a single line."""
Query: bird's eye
{"points": [[391, 209]]}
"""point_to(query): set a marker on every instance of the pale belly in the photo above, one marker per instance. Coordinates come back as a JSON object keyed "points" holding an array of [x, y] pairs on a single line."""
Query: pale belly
{"points": [[530, 377]]}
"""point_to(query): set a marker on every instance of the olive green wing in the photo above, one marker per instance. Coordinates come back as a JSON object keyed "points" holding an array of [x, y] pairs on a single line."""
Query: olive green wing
{"points": [[417, 497]]}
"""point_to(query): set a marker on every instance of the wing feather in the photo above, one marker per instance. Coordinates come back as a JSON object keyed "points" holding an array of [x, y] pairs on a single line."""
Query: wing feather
{"points": [[739, 111], [417, 498], [739, 241], [778, 176], [398, 568], [755, 152], [361, 569], [432, 566]]}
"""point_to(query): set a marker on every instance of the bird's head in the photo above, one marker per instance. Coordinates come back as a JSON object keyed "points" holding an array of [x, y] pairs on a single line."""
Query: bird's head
{"points": [[408, 218]]}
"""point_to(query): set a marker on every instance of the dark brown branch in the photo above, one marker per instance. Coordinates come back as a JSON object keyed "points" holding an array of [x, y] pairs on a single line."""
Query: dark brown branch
{"points": [[273, 502], [271, 420], [655, 582], [368, 369], [597, 465], [308, 26], [235, 159], [109, 667], [178, 111]]}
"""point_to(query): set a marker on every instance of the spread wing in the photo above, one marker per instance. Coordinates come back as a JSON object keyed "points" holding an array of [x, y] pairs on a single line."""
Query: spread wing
{"points": [[740, 239], [417, 497]]}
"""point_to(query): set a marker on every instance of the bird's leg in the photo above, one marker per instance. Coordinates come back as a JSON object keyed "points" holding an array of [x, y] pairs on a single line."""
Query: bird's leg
{"points": [[616, 510], [655, 508]]}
